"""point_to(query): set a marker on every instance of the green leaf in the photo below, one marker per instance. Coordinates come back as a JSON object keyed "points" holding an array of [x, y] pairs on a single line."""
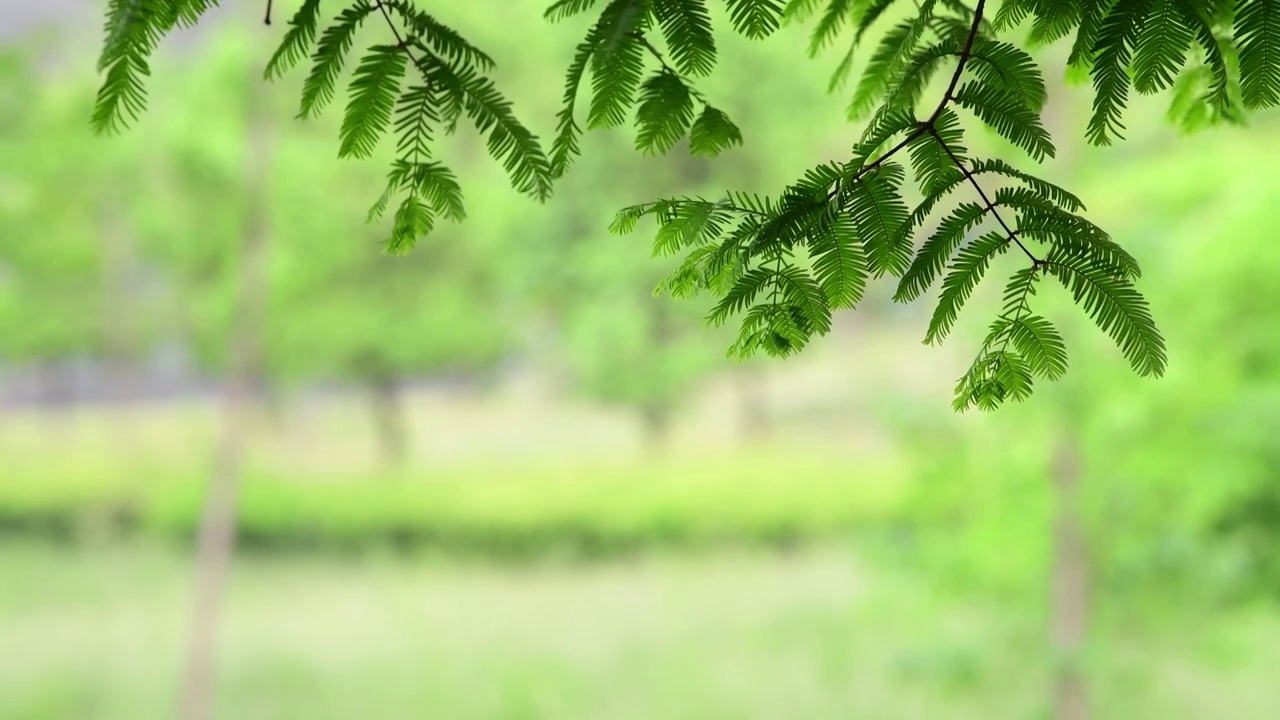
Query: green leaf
{"points": [[839, 263], [509, 141], [1011, 13], [413, 220], [565, 146], [1117, 35], [1054, 20], [937, 250], [838, 12], [806, 299], [437, 184], [712, 133], [1038, 341], [616, 63], [374, 89], [965, 274], [878, 211], [878, 75], [664, 114], [887, 62], [624, 222], [886, 124], [755, 19], [1257, 27], [1045, 189], [1068, 233], [133, 29], [440, 38], [415, 114], [1220, 95], [1007, 116], [872, 12], [329, 57], [742, 295], [994, 377], [800, 10], [562, 9], [1116, 307], [909, 85], [1001, 64], [933, 165], [122, 97], [687, 28], [1161, 46], [688, 223], [297, 41], [1092, 13]]}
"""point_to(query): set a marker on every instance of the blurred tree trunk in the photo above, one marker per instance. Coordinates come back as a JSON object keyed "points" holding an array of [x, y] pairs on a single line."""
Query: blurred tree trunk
{"points": [[655, 419], [390, 420], [1069, 591], [216, 538], [120, 331], [656, 410], [271, 398], [753, 402], [1069, 610]]}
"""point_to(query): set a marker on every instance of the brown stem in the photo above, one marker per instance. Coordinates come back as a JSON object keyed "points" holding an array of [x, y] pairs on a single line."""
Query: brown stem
{"points": [[991, 207], [965, 51], [1069, 613], [215, 541], [930, 124]]}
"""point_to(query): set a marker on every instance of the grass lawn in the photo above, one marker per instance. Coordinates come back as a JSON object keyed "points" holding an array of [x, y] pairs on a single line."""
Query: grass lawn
{"points": [[97, 634]]}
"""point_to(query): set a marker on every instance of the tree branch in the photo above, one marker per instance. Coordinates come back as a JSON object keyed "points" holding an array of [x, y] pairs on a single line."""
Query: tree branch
{"points": [[693, 90], [965, 52], [928, 125], [991, 207]]}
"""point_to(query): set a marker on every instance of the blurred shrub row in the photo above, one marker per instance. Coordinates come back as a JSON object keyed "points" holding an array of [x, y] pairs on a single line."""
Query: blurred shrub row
{"points": [[580, 512]]}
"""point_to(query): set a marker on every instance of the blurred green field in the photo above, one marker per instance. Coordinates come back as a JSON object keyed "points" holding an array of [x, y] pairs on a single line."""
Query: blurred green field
{"points": [[488, 480], [97, 635]]}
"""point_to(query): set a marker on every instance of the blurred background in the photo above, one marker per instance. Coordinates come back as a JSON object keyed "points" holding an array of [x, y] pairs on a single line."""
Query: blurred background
{"points": [[497, 478]]}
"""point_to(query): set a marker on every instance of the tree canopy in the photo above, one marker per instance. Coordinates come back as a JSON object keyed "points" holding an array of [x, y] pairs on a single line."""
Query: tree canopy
{"points": [[782, 263]]}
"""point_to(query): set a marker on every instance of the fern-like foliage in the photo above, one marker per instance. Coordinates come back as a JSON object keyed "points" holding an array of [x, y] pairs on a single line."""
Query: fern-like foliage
{"points": [[422, 78], [781, 264], [622, 46], [297, 41], [790, 261], [133, 30]]}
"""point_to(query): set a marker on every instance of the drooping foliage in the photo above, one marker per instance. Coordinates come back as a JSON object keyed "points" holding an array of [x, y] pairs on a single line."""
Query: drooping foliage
{"points": [[783, 264]]}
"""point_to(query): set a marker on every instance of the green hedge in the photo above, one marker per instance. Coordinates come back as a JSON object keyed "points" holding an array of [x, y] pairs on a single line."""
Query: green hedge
{"points": [[603, 510]]}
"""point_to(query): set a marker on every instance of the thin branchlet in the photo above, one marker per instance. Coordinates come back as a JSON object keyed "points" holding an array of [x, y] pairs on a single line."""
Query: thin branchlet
{"points": [[991, 206], [929, 126], [662, 60]]}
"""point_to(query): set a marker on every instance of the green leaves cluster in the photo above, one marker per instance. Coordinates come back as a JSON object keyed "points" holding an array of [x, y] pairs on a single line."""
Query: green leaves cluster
{"points": [[1221, 57], [628, 71], [785, 263], [132, 31], [421, 85]]}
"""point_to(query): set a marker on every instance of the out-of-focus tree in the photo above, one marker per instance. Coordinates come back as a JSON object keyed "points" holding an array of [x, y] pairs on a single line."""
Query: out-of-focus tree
{"points": [[1120, 506], [622, 344], [71, 271], [344, 310]]}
